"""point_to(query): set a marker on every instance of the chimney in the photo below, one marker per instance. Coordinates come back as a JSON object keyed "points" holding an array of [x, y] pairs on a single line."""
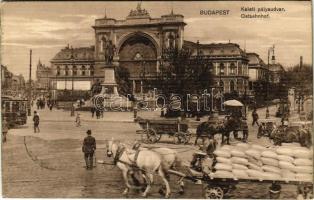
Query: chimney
{"points": [[273, 58]]}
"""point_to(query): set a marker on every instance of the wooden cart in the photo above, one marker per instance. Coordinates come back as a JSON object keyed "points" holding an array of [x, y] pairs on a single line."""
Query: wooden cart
{"points": [[154, 129]]}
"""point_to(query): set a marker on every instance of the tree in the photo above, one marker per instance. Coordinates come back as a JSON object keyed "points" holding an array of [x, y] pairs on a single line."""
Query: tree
{"points": [[300, 78], [183, 74], [122, 77]]}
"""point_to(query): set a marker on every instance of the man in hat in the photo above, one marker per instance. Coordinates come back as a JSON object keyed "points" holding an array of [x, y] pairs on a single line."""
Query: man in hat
{"points": [[36, 122], [88, 148]]}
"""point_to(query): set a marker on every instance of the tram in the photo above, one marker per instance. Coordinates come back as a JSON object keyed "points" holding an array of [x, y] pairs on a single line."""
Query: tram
{"points": [[14, 109]]}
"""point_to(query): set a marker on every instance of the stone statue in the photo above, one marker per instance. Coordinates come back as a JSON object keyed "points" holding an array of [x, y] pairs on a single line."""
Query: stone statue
{"points": [[109, 52]]}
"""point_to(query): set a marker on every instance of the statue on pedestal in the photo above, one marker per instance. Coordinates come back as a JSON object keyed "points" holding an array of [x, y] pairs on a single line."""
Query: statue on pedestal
{"points": [[109, 52]]}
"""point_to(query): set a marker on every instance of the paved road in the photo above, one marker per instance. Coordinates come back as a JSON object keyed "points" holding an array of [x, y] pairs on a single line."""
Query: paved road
{"points": [[50, 163]]}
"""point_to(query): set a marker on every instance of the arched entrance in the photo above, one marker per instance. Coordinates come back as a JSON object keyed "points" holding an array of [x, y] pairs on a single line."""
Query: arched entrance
{"points": [[138, 54]]}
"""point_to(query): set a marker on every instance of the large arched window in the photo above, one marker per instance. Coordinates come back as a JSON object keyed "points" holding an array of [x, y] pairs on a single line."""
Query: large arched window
{"points": [[74, 69], [66, 70], [231, 86], [83, 70], [222, 69]]}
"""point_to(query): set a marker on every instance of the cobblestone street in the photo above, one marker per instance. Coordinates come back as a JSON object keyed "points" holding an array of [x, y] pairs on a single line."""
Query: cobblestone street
{"points": [[51, 164]]}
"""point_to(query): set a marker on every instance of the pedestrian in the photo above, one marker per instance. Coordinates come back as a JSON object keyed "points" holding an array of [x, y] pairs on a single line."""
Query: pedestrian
{"points": [[50, 106], [78, 120], [245, 130], [5, 129], [72, 109], [36, 122], [255, 118], [88, 148], [285, 119], [97, 113], [37, 104], [93, 111]]}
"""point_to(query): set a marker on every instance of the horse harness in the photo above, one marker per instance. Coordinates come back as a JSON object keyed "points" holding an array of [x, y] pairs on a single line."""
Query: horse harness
{"points": [[120, 151]]}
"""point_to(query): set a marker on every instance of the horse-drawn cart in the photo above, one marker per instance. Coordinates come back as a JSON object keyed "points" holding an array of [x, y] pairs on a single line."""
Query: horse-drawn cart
{"points": [[153, 130], [266, 127], [217, 187]]}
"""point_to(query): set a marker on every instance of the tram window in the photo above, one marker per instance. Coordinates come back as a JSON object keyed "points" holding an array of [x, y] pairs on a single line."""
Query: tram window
{"points": [[7, 106], [15, 106]]}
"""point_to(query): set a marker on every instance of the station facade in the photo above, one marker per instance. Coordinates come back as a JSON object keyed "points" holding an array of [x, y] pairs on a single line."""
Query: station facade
{"points": [[138, 42]]}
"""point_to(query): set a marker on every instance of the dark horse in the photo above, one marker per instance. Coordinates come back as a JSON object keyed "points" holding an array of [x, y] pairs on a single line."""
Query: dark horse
{"points": [[210, 129]]}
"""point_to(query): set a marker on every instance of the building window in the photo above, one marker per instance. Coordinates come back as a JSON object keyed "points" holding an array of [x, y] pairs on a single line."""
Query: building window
{"points": [[66, 70], [250, 85], [74, 69], [91, 70], [240, 70], [222, 69], [83, 70], [58, 70], [232, 69], [231, 86]]}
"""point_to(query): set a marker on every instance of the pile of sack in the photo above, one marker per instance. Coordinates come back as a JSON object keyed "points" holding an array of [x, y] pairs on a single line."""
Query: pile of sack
{"points": [[255, 161]]}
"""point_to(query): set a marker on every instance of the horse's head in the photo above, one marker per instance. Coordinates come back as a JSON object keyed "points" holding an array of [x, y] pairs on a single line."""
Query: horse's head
{"points": [[109, 147]]}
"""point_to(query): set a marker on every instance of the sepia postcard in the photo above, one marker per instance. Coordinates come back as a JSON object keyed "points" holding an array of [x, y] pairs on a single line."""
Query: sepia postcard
{"points": [[157, 99]]}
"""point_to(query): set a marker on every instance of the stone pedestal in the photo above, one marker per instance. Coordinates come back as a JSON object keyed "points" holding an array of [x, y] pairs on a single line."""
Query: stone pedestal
{"points": [[109, 86]]}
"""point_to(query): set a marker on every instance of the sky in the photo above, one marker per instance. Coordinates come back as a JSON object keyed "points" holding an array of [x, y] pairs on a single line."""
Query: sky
{"points": [[47, 27]]}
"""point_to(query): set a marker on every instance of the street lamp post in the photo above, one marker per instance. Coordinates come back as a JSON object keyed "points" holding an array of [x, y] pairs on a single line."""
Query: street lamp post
{"points": [[267, 86], [30, 84], [72, 106]]}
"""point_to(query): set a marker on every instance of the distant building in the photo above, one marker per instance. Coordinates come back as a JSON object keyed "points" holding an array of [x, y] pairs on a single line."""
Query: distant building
{"points": [[11, 84], [74, 68], [18, 83], [43, 74], [257, 70], [276, 70], [6, 77], [229, 64]]}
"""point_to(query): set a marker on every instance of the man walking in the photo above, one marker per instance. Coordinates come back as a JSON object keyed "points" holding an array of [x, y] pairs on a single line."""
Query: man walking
{"points": [[93, 111], [36, 122], [255, 118], [89, 146]]}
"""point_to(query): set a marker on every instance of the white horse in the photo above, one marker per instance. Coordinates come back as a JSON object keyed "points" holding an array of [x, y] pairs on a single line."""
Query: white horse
{"points": [[169, 161], [147, 161]]}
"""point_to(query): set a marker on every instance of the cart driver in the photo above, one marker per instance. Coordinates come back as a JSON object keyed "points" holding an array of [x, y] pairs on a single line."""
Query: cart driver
{"points": [[203, 160], [261, 130]]}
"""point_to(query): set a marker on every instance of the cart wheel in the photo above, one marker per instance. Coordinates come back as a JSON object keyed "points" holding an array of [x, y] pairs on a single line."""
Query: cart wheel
{"points": [[213, 193], [152, 136], [144, 137]]}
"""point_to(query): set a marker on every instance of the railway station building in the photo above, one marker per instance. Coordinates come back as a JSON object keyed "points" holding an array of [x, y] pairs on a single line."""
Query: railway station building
{"points": [[138, 42]]}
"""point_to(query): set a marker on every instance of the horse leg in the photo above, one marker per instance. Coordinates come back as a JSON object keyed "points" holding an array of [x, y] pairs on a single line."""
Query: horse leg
{"points": [[162, 175], [149, 180], [222, 138], [195, 143], [181, 183], [228, 137], [125, 177]]}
